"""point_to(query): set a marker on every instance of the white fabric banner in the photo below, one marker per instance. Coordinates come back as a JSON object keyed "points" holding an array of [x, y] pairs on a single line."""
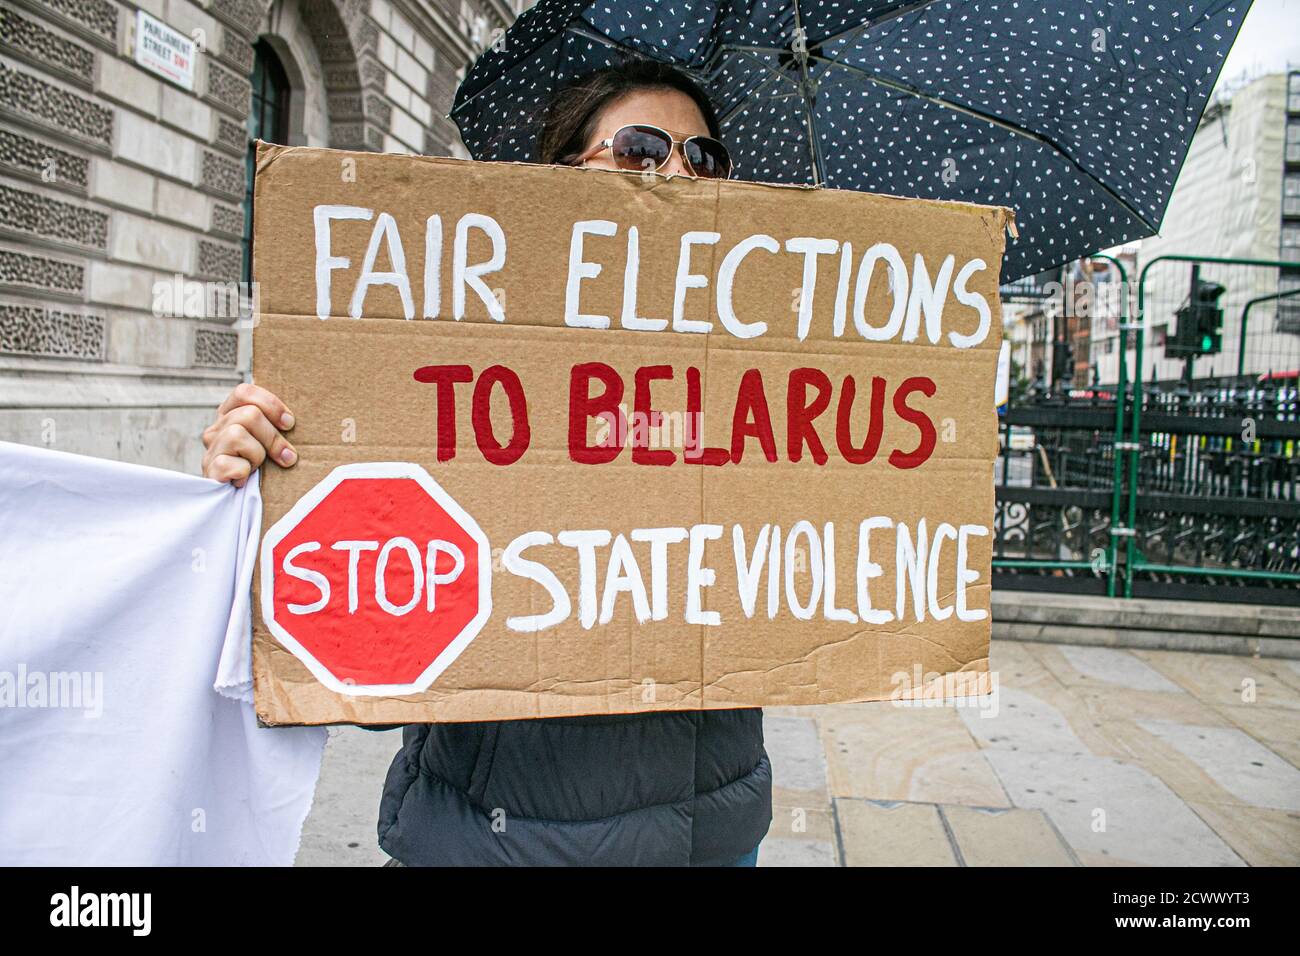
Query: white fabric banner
{"points": [[127, 733]]}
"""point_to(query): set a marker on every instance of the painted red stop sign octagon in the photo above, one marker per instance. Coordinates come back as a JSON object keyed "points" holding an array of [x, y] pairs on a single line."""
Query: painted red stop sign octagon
{"points": [[376, 579]]}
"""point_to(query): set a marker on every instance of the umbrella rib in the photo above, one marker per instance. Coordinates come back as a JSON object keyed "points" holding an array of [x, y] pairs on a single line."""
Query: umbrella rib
{"points": [[579, 26], [801, 57], [1011, 127], [772, 75], [744, 48], [853, 31]]}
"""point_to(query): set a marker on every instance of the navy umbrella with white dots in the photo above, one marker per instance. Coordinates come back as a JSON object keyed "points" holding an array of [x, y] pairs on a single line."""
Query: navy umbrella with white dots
{"points": [[1075, 113]]}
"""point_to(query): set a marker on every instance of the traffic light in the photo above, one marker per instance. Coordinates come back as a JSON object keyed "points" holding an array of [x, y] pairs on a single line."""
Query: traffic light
{"points": [[1200, 322]]}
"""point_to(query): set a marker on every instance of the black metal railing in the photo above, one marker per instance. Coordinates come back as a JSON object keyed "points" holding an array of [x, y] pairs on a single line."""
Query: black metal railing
{"points": [[1186, 488]]}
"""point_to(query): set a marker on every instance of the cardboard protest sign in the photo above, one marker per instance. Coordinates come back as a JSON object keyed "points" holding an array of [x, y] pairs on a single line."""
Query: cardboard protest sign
{"points": [[580, 442]]}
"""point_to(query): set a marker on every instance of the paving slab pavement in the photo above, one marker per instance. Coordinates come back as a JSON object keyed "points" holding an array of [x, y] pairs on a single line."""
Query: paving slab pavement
{"points": [[341, 829], [1085, 755]]}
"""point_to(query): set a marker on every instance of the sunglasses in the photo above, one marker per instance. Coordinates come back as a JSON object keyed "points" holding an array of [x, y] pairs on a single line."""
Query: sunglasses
{"points": [[640, 147]]}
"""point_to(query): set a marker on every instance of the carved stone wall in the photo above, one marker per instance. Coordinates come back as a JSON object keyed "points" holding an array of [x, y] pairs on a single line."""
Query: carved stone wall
{"points": [[218, 349], [220, 261], [33, 330], [227, 89], [117, 187], [24, 272], [40, 217], [29, 40], [98, 17], [26, 96], [40, 159], [222, 175]]}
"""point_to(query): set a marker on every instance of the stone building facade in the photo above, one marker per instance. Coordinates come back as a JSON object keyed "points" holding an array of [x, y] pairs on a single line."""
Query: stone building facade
{"points": [[118, 184]]}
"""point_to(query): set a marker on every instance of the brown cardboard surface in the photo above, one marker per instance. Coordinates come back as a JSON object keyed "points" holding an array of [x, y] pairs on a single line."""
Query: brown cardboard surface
{"points": [[351, 384]]}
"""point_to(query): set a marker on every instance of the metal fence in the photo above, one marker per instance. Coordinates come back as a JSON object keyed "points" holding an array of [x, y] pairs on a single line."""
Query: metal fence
{"points": [[1181, 485]]}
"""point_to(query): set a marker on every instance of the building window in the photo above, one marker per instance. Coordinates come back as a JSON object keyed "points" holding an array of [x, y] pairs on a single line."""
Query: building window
{"points": [[1293, 140], [1291, 242], [1288, 309], [1291, 194], [268, 120]]}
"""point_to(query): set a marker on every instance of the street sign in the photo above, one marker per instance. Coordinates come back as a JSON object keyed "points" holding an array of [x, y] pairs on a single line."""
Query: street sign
{"points": [[376, 579], [164, 50]]}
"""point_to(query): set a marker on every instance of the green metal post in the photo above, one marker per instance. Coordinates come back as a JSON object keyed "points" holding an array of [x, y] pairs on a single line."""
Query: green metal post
{"points": [[1112, 549]]}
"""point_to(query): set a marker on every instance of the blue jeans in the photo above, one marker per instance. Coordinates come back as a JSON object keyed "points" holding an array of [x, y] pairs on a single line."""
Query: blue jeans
{"points": [[749, 859]]}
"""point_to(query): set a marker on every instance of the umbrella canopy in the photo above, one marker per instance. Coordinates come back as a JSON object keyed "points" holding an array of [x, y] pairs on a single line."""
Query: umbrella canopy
{"points": [[1075, 113]]}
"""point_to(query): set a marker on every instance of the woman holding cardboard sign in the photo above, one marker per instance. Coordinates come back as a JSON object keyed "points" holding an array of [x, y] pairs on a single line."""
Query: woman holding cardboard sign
{"points": [[668, 788]]}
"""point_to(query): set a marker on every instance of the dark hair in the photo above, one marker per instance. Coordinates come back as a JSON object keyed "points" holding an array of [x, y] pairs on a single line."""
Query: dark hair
{"points": [[570, 117]]}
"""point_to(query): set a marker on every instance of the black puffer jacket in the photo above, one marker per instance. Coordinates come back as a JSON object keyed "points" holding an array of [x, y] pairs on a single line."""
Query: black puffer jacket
{"points": [[662, 789]]}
